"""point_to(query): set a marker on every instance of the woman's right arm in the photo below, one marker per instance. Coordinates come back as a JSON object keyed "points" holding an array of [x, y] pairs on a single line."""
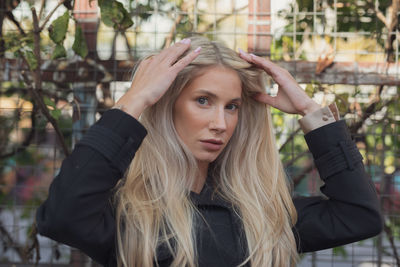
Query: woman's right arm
{"points": [[78, 211]]}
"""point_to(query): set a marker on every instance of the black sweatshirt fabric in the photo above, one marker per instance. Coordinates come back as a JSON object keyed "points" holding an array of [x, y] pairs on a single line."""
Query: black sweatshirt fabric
{"points": [[78, 210]]}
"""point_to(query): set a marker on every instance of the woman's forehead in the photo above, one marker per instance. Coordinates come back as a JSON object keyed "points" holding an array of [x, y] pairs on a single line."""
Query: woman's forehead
{"points": [[217, 80]]}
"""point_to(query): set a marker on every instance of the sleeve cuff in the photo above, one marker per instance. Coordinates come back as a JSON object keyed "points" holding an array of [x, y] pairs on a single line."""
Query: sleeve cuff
{"points": [[319, 118], [333, 149]]}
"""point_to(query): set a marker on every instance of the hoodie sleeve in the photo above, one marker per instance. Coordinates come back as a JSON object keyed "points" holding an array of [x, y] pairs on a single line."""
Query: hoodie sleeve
{"points": [[78, 210], [350, 209]]}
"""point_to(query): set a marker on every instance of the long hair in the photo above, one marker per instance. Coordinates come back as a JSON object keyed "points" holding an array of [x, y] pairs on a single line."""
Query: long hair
{"points": [[153, 204]]}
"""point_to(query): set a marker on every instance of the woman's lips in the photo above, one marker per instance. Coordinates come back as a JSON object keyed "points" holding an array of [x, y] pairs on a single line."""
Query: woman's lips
{"points": [[212, 145]]}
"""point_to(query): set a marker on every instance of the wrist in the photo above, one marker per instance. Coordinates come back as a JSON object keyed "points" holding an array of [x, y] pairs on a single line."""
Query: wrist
{"points": [[310, 108], [133, 108]]}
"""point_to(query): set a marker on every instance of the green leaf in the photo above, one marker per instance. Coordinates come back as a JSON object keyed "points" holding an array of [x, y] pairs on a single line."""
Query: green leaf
{"points": [[113, 14], [58, 28], [49, 102], [126, 21], [59, 52], [340, 251], [32, 61], [144, 11], [56, 113], [310, 90], [110, 14], [79, 45]]}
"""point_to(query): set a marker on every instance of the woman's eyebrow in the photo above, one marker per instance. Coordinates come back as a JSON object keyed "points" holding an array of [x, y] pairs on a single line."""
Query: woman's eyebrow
{"points": [[206, 92]]}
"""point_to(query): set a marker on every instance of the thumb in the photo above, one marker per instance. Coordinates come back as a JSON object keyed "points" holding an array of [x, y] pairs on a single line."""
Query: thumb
{"points": [[265, 98]]}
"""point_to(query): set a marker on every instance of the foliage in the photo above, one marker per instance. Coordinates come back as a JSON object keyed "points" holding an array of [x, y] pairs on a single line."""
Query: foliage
{"points": [[58, 29], [353, 16], [24, 133], [372, 115], [113, 14], [79, 45], [379, 148]]}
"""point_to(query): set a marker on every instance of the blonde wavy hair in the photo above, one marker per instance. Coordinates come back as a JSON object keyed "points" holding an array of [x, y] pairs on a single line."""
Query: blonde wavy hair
{"points": [[153, 203]]}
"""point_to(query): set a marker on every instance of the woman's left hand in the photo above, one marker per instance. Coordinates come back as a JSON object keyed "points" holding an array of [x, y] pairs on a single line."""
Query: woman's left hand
{"points": [[291, 98]]}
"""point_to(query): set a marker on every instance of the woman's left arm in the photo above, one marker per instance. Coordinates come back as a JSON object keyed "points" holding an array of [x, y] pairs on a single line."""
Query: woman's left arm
{"points": [[350, 211]]}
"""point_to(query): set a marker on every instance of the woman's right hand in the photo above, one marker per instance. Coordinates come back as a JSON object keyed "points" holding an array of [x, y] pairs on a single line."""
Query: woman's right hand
{"points": [[154, 76]]}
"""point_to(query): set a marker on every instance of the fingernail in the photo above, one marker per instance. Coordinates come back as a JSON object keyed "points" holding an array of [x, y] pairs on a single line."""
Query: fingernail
{"points": [[252, 55], [197, 50], [241, 51], [185, 41]]}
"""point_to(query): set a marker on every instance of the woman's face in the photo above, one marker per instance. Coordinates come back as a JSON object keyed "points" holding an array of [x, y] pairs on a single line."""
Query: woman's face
{"points": [[206, 112]]}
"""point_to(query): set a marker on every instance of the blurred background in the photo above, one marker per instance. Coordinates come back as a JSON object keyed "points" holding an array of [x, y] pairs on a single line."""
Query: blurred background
{"points": [[63, 63]]}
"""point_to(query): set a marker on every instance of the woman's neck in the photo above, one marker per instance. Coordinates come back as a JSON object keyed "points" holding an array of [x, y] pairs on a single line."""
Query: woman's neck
{"points": [[201, 177]]}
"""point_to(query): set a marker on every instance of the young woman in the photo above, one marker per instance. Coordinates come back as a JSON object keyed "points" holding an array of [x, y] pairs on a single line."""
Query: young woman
{"points": [[206, 186]]}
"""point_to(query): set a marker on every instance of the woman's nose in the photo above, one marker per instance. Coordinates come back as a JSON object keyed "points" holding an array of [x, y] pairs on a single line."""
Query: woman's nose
{"points": [[218, 121]]}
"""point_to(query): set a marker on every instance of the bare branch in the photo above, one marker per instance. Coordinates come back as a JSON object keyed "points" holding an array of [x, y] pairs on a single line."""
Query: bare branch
{"points": [[42, 6], [50, 14], [393, 16], [172, 31], [42, 106], [293, 160], [210, 25], [114, 46], [290, 138], [381, 17], [368, 112], [128, 45], [11, 243], [379, 13], [34, 245], [11, 17], [36, 50]]}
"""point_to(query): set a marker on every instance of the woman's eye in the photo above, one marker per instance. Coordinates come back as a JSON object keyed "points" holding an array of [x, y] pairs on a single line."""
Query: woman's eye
{"points": [[202, 100], [232, 106]]}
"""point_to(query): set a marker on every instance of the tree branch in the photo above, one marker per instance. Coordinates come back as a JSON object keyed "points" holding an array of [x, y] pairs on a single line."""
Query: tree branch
{"points": [[42, 6], [224, 17], [293, 160], [36, 50], [128, 45], [290, 138], [172, 31], [11, 243], [42, 106], [11, 17], [38, 81], [368, 112], [50, 14]]}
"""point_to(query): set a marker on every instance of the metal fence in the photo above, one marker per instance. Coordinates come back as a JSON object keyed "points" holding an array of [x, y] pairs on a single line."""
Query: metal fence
{"points": [[342, 51]]}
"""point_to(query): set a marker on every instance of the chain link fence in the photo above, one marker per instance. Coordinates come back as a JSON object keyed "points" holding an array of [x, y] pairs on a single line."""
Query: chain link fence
{"points": [[54, 86]]}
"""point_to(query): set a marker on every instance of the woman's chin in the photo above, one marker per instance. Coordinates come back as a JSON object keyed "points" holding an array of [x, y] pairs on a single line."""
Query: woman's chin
{"points": [[207, 158]]}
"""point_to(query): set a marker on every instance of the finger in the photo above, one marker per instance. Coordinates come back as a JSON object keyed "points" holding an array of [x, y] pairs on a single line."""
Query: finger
{"points": [[149, 57], [245, 56], [263, 63], [171, 54], [249, 58], [265, 98], [183, 62], [269, 67]]}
